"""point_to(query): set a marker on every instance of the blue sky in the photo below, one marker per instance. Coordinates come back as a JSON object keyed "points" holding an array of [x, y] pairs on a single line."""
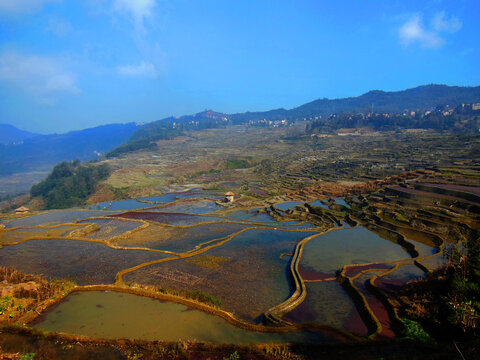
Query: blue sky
{"points": [[73, 64]]}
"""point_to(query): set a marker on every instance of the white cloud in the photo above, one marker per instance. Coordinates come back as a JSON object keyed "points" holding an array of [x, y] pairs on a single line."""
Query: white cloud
{"points": [[23, 6], [40, 76], [144, 69], [413, 31], [138, 10], [441, 23]]}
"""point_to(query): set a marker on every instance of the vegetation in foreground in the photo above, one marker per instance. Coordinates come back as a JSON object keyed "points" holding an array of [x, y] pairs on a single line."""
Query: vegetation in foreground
{"points": [[21, 293], [448, 303], [22, 341]]}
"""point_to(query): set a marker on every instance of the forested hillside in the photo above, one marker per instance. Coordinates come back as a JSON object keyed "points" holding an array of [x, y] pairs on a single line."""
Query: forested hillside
{"points": [[69, 184]]}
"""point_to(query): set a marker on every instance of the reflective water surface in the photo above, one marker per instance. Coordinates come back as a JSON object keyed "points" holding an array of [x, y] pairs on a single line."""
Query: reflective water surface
{"points": [[117, 315]]}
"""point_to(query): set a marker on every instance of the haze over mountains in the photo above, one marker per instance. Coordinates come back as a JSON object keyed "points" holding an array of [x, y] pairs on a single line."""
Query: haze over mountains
{"points": [[22, 151], [41, 152], [9, 134]]}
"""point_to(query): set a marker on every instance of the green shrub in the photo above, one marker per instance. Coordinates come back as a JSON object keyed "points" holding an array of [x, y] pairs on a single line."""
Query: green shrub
{"points": [[29, 356], [202, 297], [236, 164], [414, 331], [4, 303], [233, 356]]}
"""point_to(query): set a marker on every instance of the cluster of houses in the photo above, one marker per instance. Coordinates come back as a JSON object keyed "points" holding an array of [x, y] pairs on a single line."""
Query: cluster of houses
{"points": [[265, 123]]}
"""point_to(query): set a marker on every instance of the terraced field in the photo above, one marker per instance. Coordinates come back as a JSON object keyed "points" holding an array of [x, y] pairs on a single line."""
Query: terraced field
{"points": [[293, 268]]}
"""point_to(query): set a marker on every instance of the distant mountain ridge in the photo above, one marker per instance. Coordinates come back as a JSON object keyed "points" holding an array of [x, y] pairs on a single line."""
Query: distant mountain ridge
{"points": [[419, 98], [422, 97], [10, 134], [41, 152]]}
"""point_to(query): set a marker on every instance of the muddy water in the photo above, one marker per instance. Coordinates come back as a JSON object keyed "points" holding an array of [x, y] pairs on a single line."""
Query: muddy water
{"points": [[328, 303], [117, 315], [330, 252]]}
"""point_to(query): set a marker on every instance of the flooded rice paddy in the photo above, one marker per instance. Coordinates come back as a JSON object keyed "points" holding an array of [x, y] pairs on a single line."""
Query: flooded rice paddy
{"points": [[118, 315], [328, 303], [252, 278], [178, 219], [171, 197], [82, 261], [184, 242], [188, 206], [180, 239], [393, 281], [54, 218], [14, 236], [324, 204], [330, 252], [109, 228]]}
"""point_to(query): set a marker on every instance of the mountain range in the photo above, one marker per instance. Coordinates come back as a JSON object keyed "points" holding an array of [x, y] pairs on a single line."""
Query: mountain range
{"points": [[9, 134], [23, 151], [41, 152], [419, 98], [424, 97]]}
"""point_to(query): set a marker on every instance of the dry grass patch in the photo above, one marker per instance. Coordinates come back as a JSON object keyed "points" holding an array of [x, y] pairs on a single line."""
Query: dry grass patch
{"points": [[21, 293]]}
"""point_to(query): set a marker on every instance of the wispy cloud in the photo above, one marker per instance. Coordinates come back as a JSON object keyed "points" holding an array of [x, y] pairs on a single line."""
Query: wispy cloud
{"points": [[144, 69], [414, 31], [23, 6], [43, 77], [137, 10], [442, 23]]}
